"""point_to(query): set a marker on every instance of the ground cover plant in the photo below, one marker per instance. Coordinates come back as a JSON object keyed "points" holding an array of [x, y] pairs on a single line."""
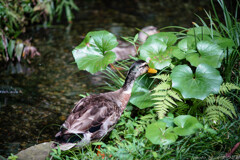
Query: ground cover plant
{"points": [[16, 15], [188, 110]]}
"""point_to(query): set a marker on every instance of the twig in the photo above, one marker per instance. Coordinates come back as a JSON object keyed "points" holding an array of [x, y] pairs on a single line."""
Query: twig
{"points": [[229, 154]]}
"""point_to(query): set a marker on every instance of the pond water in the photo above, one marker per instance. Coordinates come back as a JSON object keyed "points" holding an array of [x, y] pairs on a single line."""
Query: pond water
{"points": [[35, 102]]}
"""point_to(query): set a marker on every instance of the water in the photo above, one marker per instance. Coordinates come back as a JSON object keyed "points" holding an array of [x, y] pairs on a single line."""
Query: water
{"points": [[35, 102]]}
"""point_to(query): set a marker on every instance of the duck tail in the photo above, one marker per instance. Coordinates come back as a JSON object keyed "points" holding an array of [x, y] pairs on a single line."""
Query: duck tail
{"points": [[66, 141]]}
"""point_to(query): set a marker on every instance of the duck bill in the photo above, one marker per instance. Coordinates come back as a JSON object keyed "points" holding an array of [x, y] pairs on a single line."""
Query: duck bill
{"points": [[151, 70]]}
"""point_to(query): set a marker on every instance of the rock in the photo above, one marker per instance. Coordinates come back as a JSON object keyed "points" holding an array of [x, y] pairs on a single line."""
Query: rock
{"points": [[36, 152]]}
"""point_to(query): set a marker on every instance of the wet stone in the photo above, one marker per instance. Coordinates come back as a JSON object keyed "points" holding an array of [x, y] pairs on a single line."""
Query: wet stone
{"points": [[36, 152]]}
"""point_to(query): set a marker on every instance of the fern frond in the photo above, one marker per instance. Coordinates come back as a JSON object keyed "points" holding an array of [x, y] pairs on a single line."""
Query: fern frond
{"points": [[214, 115], [223, 101], [227, 87], [182, 108], [174, 94], [169, 99], [218, 107], [164, 95], [163, 77], [167, 103], [162, 86]]}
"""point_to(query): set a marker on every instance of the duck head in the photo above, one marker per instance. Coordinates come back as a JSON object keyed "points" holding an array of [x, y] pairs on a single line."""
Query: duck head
{"points": [[137, 69]]}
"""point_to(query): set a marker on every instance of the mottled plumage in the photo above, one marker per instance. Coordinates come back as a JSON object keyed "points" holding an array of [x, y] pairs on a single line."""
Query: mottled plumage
{"points": [[94, 116]]}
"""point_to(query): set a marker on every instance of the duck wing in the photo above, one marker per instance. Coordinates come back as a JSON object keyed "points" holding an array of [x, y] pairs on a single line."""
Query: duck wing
{"points": [[90, 115]]}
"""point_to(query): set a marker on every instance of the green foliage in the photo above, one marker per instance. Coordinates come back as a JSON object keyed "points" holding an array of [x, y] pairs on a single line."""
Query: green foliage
{"points": [[186, 46], [94, 53], [12, 157], [228, 27], [186, 125], [74, 154], [163, 133], [195, 59], [227, 87], [202, 30], [13, 50], [218, 107], [158, 49], [16, 15], [199, 85], [141, 95], [112, 80], [69, 5], [167, 37], [206, 143], [209, 53], [157, 133], [164, 96]]}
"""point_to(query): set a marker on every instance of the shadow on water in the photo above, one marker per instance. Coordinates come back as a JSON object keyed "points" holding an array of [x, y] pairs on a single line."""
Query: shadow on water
{"points": [[35, 102]]}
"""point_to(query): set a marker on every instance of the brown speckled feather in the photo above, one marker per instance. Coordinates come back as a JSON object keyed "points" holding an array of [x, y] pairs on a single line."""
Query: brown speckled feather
{"points": [[90, 112], [93, 117]]}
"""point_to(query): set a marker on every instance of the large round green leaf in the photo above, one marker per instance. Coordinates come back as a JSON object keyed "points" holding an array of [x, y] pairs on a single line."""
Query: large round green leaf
{"points": [[94, 53], [158, 134], [224, 43], [186, 125], [156, 50], [205, 81], [209, 53], [203, 30], [185, 47], [187, 44], [141, 95], [166, 37]]}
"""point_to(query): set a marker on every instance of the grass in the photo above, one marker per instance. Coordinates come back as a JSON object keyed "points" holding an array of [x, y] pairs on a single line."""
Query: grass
{"points": [[228, 27], [132, 144]]}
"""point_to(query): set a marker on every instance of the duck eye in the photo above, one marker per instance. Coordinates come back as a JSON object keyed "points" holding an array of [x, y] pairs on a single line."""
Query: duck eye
{"points": [[143, 66]]}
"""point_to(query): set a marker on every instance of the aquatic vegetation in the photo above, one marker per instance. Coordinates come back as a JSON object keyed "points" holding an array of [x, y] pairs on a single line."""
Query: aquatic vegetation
{"points": [[16, 15]]}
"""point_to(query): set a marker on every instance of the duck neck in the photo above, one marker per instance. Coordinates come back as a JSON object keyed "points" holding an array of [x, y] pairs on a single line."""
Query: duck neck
{"points": [[128, 85]]}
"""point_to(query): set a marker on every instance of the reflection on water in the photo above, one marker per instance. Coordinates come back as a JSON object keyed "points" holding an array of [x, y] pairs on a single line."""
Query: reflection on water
{"points": [[43, 94], [36, 97]]}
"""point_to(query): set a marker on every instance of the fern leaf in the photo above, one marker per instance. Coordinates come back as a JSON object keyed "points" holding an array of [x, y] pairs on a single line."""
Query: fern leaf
{"points": [[227, 87], [160, 93], [174, 94], [223, 101], [164, 96], [159, 103], [213, 114], [168, 98], [163, 77], [218, 107], [182, 108], [162, 86], [159, 98], [210, 100], [167, 103]]}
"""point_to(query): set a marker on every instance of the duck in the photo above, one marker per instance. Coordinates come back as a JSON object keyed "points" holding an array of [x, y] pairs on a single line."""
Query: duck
{"points": [[95, 116], [124, 49]]}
